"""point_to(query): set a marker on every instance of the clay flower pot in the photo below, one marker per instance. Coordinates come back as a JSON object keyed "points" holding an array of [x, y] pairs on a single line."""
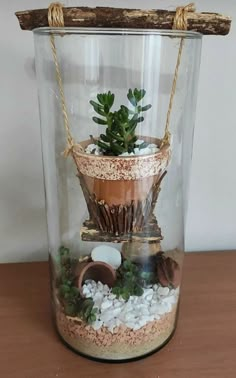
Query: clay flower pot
{"points": [[97, 271], [121, 191], [168, 272]]}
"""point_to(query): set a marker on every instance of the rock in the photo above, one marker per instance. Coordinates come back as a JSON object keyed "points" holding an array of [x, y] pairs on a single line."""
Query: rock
{"points": [[135, 313], [105, 305], [163, 290], [108, 255]]}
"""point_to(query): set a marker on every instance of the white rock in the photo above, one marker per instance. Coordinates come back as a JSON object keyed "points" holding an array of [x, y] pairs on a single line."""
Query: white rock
{"points": [[161, 309], [107, 255], [170, 299], [93, 148], [134, 313], [97, 325], [145, 151], [86, 292], [163, 290], [106, 304], [139, 141], [98, 298], [150, 149]]}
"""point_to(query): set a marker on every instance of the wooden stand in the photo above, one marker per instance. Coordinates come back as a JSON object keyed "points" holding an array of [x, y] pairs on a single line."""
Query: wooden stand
{"points": [[150, 233]]}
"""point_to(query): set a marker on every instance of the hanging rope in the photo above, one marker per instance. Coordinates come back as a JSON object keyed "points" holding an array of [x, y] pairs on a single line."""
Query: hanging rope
{"points": [[180, 23], [56, 19]]}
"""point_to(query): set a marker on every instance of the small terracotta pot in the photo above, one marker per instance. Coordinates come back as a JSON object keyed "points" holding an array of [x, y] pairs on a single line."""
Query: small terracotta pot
{"points": [[97, 271], [168, 272], [121, 191]]}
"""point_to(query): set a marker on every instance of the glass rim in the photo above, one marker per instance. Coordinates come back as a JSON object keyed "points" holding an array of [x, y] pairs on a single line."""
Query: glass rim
{"points": [[117, 31]]}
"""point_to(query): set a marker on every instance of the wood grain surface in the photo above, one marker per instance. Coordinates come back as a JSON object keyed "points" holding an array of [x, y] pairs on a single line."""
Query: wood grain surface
{"points": [[205, 23], [204, 345]]}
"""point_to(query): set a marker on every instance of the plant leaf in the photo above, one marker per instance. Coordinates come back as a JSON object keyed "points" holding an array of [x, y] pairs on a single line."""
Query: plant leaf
{"points": [[99, 121], [146, 107]]}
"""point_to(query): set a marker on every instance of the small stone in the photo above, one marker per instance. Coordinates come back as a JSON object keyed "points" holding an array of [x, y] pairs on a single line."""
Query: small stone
{"points": [[163, 290], [106, 304], [97, 325]]}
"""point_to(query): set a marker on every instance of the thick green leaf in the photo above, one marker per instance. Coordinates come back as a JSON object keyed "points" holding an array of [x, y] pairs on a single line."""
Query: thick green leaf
{"points": [[131, 98], [140, 119], [104, 138], [98, 108], [146, 107], [103, 146], [115, 136], [99, 121]]}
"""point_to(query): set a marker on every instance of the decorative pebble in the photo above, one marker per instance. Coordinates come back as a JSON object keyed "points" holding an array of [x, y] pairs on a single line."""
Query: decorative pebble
{"points": [[135, 313], [107, 254], [163, 291], [149, 149]]}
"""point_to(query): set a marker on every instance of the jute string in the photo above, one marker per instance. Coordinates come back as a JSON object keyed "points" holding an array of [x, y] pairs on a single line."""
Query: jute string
{"points": [[56, 19], [180, 23]]}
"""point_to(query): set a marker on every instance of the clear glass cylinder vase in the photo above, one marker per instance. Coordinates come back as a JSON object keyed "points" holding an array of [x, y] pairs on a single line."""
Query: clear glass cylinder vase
{"points": [[117, 111]]}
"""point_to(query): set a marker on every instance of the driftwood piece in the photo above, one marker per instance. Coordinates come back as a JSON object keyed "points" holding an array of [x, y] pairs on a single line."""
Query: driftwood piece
{"points": [[205, 23], [150, 233]]}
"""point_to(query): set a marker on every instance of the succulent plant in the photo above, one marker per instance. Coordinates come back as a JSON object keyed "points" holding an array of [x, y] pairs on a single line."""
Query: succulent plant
{"points": [[120, 125], [129, 281], [69, 295]]}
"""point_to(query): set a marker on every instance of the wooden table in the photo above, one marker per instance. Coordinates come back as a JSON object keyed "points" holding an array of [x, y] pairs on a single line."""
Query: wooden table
{"points": [[204, 345]]}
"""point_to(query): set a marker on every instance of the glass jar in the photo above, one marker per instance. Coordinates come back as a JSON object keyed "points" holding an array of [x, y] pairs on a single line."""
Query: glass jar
{"points": [[122, 105]]}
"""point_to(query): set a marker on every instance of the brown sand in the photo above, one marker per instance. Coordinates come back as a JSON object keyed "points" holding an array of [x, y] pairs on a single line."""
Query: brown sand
{"points": [[124, 343]]}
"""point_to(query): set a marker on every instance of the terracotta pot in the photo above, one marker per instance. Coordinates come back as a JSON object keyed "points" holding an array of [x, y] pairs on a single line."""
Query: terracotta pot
{"points": [[97, 271], [118, 188], [168, 272]]}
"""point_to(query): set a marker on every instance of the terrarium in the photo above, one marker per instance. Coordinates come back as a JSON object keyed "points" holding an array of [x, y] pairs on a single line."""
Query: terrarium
{"points": [[117, 108]]}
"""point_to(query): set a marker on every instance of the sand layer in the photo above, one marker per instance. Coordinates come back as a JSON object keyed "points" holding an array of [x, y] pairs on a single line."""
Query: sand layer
{"points": [[124, 343]]}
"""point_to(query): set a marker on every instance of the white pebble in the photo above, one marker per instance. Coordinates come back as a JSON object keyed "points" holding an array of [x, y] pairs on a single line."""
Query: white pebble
{"points": [[163, 290], [134, 313], [105, 305]]}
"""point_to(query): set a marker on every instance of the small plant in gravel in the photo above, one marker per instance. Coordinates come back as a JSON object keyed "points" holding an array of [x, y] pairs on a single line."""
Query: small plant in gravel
{"points": [[73, 303], [120, 125], [129, 281]]}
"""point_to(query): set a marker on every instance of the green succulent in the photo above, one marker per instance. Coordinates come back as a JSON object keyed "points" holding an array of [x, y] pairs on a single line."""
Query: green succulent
{"points": [[129, 281], [119, 136], [69, 295]]}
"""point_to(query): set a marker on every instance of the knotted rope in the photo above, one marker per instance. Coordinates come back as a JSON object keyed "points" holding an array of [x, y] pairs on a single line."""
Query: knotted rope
{"points": [[180, 23]]}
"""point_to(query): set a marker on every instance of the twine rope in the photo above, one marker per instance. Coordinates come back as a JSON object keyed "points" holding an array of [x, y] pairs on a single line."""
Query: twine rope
{"points": [[56, 19], [180, 23]]}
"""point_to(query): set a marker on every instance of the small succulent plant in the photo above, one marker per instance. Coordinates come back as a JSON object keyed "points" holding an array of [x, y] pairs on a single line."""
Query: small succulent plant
{"points": [[129, 281], [119, 136], [69, 295]]}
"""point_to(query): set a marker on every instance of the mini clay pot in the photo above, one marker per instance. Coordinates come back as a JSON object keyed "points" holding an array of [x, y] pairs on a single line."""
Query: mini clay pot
{"points": [[97, 271], [168, 272], [117, 187]]}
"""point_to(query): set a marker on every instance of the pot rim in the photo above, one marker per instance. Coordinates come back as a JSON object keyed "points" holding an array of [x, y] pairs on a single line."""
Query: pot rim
{"points": [[157, 141], [93, 263]]}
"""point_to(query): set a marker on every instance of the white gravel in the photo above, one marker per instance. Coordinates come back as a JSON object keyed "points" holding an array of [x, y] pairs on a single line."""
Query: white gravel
{"points": [[150, 149], [134, 313]]}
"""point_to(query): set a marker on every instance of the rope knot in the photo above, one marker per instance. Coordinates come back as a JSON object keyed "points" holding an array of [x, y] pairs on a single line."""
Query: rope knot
{"points": [[55, 15], [181, 16]]}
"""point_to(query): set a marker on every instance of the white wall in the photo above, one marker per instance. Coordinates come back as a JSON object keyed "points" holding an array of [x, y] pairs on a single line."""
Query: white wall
{"points": [[211, 218]]}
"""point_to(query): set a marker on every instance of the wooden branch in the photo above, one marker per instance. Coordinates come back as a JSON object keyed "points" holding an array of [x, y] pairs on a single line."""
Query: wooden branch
{"points": [[205, 23]]}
